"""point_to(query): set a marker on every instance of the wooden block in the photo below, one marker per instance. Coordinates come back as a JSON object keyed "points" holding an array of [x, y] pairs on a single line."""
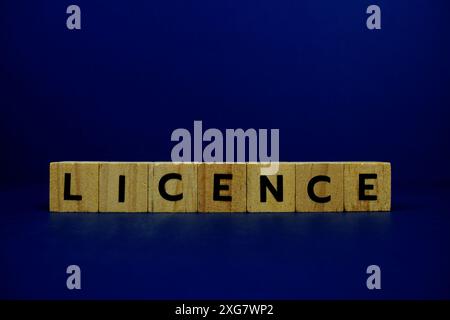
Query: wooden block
{"points": [[150, 191], [274, 193], [222, 187], [175, 187], [123, 187], [319, 187], [219, 187], [367, 186], [74, 186]]}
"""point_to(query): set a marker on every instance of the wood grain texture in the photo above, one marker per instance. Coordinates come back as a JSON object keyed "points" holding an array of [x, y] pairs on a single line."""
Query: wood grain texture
{"points": [[236, 187], [381, 186], [186, 187], [135, 190], [332, 192], [83, 182], [150, 192], [269, 203], [94, 186]]}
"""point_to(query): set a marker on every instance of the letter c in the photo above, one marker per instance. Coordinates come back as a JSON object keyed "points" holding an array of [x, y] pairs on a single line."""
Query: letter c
{"points": [[311, 185], [162, 187]]}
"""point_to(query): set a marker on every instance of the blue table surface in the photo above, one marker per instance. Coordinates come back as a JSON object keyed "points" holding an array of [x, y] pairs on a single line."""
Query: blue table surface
{"points": [[225, 256]]}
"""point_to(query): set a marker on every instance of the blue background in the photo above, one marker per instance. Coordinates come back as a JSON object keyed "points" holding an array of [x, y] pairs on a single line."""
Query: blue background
{"points": [[137, 70]]}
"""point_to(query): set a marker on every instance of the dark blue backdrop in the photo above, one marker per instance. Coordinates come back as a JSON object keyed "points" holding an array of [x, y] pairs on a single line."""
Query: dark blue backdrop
{"points": [[137, 70]]}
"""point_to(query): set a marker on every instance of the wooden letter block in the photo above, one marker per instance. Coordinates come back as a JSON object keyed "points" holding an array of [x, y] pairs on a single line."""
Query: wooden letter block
{"points": [[74, 187], [367, 186], [319, 187], [123, 187], [219, 187], [222, 187], [273, 193], [175, 187]]}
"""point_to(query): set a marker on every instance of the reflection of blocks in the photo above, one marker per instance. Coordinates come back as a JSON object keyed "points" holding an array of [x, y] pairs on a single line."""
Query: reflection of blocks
{"points": [[319, 187], [273, 193], [174, 187], [367, 186], [219, 187], [73, 187], [222, 187], [123, 187]]}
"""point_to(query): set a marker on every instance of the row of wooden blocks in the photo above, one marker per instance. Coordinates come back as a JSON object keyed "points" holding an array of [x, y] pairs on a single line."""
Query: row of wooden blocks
{"points": [[219, 187]]}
